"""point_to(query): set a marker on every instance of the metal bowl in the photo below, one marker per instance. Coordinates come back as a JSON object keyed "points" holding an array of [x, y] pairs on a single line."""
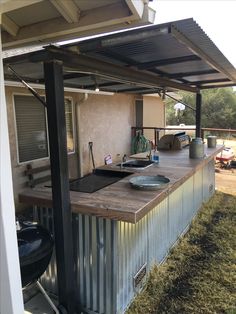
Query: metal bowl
{"points": [[149, 182]]}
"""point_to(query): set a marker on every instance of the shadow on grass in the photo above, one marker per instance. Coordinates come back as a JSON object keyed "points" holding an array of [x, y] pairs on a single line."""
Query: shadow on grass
{"points": [[199, 274]]}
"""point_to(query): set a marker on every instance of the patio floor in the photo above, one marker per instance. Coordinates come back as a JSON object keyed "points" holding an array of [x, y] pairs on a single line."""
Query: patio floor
{"points": [[38, 305]]}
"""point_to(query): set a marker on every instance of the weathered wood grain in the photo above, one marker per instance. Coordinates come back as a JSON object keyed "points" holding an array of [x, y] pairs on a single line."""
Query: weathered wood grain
{"points": [[119, 201]]}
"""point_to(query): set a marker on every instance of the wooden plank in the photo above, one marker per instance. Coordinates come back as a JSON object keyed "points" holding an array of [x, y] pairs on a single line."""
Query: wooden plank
{"points": [[119, 201], [31, 170]]}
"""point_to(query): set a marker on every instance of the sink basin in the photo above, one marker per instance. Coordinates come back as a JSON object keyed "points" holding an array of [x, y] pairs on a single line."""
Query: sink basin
{"points": [[97, 180], [112, 173], [140, 164]]}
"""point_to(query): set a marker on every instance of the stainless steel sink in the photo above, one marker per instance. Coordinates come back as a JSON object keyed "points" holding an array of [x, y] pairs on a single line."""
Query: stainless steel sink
{"points": [[140, 164]]}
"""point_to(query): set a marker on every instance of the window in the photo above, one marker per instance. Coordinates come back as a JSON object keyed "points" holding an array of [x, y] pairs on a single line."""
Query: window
{"points": [[31, 126]]}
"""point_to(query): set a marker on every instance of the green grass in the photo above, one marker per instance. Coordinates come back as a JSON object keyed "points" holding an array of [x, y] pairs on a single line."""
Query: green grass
{"points": [[199, 275]]}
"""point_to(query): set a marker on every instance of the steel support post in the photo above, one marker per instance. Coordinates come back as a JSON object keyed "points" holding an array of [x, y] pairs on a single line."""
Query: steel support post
{"points": [[198, 114], [60, 183]]}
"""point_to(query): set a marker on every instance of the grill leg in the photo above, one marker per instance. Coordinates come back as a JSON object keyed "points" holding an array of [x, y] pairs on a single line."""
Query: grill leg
{"points": [[47, 297]]}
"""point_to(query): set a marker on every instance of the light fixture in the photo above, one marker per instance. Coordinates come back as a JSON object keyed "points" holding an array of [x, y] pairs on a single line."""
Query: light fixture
{"points": [[96, 84]]}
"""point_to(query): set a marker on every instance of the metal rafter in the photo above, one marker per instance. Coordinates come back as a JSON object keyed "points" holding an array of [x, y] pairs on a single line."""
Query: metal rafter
{"points": [[112, 71], [157, 63], [192, 73]]}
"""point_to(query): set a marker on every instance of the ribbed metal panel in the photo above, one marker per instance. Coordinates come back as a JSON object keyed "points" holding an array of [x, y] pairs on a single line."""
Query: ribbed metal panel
{"points": [[109, 254], [94, 242], [132, 255], [188, 196], [193, 32], [197, 189], [208, 180], [96, 265], [158, 233], [49, 278]]}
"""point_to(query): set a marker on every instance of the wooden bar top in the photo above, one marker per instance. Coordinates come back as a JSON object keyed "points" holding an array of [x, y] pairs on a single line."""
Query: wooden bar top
{"points": [[119, 201]]}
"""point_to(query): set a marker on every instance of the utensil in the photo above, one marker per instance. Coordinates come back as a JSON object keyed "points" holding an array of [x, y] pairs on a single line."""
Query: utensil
{"points": [[91, 152]]}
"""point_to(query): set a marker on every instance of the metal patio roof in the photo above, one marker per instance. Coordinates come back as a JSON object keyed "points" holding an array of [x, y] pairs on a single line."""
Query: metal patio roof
{"points": [[174, 55]]}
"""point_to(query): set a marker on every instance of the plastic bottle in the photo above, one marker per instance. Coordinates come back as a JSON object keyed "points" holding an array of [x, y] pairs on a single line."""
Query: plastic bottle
{"points": [[155, 156]]}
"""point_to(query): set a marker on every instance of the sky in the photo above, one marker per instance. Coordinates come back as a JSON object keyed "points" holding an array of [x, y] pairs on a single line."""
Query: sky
{"points": [[217, 18]]}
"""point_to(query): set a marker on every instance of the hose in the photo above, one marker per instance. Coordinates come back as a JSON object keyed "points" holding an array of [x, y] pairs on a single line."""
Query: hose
{"points": [[139, 144]]}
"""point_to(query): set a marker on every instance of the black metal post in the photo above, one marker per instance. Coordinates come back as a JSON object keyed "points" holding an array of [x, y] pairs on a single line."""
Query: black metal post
{"points": [[198, 114], [60, 184]]}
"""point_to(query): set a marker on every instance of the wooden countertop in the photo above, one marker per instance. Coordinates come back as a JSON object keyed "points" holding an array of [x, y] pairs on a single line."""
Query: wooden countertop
{"points": [[119, 201]]}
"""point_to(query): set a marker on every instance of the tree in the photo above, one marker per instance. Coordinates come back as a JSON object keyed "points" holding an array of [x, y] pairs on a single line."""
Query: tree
{"points": [[218, 109]]}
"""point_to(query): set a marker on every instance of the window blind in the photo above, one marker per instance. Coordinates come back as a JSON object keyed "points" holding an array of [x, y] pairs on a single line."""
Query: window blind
{"points": [[31, 128]]}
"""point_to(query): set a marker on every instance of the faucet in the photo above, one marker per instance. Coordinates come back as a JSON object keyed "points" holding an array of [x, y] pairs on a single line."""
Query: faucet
{"points": [[123, 159], [150, 150]]}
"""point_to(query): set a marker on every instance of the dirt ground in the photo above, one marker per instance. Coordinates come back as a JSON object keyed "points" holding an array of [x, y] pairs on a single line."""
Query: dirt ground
{"points": [[226, 181], [226, 178]]}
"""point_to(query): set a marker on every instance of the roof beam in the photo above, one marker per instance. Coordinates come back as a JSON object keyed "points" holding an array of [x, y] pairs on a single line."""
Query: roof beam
{"points": [[11, 27], [9, 5], [217, 86], [112, 71], [193, 73], [156, 63], [117, 16], [68, 9], [166, 75], [210, 81], [88, 65]]}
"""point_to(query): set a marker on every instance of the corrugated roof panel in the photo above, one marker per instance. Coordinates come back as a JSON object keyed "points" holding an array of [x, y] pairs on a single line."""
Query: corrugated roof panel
{"points": [[188, 66], [206, 77], [194, 33], [178, 51]]}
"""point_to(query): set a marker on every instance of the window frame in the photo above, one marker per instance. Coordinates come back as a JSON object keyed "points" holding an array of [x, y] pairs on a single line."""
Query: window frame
{"points": [[73, 123], [46, 123]]}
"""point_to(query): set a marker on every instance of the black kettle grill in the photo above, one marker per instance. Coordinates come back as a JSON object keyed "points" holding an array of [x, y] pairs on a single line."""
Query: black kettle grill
{"points": [[35, 245]]}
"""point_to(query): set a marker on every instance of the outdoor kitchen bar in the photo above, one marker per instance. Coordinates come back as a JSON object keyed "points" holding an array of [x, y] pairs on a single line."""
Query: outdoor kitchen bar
{"points": [[119, 232]]}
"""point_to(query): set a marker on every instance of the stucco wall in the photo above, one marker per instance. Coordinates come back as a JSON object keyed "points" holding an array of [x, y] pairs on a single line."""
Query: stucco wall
{"points": [[103, 120], [153, 114], [106, 121]]}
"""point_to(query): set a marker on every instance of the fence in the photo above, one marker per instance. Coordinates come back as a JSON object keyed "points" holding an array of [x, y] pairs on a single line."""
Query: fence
{"points": [[157, 130]]}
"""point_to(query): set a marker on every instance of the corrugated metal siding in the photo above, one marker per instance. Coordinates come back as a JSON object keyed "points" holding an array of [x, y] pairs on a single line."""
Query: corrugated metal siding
{"points": [[197, 190], [94, 255], [158, 234], [188, 208], [95, 260], [208, 180], [108, 254], [132, 255]]}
